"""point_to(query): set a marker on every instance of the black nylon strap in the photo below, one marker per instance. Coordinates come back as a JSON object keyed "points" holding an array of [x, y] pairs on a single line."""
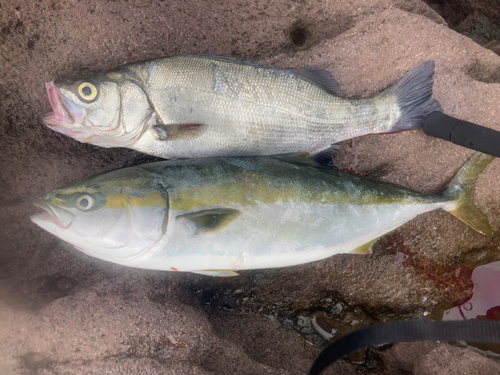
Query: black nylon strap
{"points": [[413, 330]]}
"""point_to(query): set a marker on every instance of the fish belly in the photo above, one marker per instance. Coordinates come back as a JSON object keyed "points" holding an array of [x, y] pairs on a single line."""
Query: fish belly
{"points": [[246, 110], [278, 235]]}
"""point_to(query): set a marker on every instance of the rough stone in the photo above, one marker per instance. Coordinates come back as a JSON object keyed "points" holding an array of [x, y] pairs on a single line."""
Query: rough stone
{"points": [[446, 360], [426, 358], [115, 326], [61, 311], [478, 19]]}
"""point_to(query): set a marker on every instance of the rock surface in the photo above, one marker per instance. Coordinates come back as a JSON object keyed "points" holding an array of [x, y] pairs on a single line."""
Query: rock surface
{"points": [[478, 19], [61, 311]]}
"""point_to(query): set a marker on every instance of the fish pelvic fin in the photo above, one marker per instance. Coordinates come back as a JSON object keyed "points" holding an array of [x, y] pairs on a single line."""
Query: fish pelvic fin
{"points": [[461, 190], [365, 248], [413, 94], [216, 273]]}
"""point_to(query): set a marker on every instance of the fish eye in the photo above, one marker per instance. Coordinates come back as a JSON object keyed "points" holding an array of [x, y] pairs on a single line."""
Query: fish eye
{"points": [[85, 202], [87, 91]]}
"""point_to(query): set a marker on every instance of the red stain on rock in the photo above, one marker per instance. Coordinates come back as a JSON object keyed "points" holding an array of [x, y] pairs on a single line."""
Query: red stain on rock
{"points": [[455, 281]]}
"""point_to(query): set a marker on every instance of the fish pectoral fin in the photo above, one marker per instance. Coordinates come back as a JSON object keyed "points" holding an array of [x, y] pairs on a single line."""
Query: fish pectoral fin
{"points": [[365, 248], [208, 221], [160, 132], [217, 273], [319, 77], [175, 131]]}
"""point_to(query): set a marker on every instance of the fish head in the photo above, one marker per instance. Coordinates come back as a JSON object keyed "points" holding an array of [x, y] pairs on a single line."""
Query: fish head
{"points": [[117, 216], [105, 109]]}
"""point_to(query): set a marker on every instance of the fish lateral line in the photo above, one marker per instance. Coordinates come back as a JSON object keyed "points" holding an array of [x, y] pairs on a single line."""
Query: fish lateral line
{"points": [[237, 108]]}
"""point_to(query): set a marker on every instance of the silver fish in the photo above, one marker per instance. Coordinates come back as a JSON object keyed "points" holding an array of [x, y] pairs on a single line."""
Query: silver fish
{"points": [[216, 216], [191, 106]]}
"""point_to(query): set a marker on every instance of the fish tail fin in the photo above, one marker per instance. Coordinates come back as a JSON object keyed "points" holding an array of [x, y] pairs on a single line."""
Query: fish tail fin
{"points": [[413, 94], [461, 191]]}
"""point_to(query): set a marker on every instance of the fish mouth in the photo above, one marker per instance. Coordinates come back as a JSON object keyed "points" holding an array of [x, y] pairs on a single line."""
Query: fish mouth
{"points": [[65, 117], [51, 215], [59, 115]]}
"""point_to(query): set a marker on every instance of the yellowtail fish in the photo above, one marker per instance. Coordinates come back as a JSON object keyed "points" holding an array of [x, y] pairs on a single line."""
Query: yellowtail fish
{"points": [[192, 106], [216, 216]]}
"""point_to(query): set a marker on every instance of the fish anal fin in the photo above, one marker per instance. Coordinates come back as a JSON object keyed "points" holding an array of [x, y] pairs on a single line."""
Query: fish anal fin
{"points": [[326, 156], [366, 248], [176, 131], [217, 273], [208, 221]]}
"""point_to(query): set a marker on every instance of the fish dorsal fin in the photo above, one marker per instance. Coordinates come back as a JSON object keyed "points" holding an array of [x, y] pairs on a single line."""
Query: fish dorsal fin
{"points": [[229, 59], [243, 163], [208, 221], [219, 273], [319, 77]]}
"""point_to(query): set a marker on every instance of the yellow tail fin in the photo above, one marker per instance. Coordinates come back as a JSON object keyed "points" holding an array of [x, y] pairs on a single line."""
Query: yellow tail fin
{"points": [[461, 189]]}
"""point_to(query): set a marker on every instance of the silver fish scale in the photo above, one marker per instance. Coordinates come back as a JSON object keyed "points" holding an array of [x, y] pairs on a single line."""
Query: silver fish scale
{"points": [[248, 109]]}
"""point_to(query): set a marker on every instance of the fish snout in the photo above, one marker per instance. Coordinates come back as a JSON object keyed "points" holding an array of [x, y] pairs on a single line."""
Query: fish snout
{"points": [[52, 214]]}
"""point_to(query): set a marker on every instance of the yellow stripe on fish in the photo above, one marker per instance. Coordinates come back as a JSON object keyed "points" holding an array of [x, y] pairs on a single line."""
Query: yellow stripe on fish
{"points": [[123, 201], [216, 216]]}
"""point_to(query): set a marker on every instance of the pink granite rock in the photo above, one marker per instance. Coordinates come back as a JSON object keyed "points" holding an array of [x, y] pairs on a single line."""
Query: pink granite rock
{"points": [[61, 311]]}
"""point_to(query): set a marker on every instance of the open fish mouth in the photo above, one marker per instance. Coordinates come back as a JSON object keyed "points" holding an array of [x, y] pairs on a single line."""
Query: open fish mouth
{"points": [[65, 117], [59, 117], [51, 215]]}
